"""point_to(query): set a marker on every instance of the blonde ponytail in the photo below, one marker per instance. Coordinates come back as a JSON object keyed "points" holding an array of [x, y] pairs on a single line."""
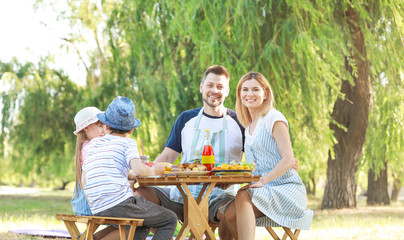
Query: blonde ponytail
{"points": [[81, 138]]}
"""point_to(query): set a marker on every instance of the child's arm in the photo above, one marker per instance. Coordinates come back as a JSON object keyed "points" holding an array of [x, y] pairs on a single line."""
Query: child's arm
{"points": [[83, 179], [141, 170], [131, 176]]}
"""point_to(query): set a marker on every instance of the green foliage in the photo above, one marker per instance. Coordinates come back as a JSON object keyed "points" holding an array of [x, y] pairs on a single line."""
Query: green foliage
{"points": [[385, 139], [385, 134], [155, 52], [40, 107]]}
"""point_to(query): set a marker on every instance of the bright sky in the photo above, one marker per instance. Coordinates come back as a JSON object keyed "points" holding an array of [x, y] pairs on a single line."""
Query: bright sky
{"points": [[28, 35]]}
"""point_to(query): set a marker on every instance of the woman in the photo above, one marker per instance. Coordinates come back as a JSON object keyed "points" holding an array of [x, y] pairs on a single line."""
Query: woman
{"points": [[279, 198]]}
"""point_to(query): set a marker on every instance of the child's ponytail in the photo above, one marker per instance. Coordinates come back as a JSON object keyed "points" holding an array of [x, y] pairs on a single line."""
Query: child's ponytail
{"points": [[81, 138]]}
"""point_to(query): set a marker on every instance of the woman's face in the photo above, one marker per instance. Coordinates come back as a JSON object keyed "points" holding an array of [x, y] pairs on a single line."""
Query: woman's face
{"points": [[252, 94], [95, 130]]}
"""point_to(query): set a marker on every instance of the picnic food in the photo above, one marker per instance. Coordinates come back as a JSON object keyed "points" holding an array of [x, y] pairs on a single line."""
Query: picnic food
{"points": [[235, 166], [191, 167], [185, 167], [167, 165]]}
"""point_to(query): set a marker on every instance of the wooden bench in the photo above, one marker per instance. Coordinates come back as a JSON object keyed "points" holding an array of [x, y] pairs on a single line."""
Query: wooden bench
{"points": [[288, 232], [93, 222]]}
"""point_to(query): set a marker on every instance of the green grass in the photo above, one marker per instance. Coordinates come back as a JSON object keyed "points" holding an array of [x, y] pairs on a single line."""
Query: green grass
{"points": [[37, 210]]}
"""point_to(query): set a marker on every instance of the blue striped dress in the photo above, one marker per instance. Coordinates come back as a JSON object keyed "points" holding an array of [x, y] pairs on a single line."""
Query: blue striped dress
{"points": [[79, 203], [284, 200]]}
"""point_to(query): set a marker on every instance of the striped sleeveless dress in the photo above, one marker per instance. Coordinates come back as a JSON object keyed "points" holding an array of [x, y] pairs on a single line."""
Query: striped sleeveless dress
{"points": [[284, 200]]}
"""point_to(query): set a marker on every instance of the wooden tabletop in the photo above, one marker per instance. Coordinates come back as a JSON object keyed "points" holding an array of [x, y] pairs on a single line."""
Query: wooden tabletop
{"points": [[194, 180], [196, 210]]}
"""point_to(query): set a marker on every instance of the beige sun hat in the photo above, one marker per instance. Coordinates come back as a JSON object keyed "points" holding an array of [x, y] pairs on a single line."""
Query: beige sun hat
{"points": [[85, 117]]}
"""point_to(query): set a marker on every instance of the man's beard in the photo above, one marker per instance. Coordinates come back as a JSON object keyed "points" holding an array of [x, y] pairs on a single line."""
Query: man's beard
{"points": [[216, 104]]}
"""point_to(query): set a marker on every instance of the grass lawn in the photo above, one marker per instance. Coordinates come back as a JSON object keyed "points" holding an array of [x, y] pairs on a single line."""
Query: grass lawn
{"points": [[36, 209]]}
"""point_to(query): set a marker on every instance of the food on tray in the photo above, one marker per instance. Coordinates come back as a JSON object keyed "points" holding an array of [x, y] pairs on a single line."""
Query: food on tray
{"points": [[235, 166], [151, 164], [191, 167], [185, 167]]}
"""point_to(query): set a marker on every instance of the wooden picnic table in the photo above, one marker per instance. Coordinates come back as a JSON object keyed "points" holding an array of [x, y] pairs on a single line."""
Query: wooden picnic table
{"points": [[196, 210]]}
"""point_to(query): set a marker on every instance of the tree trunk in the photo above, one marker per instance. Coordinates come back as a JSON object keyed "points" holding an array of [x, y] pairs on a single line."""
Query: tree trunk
{"points": [[64, 184], [311, 185], [396, 189], [313, 181], [378, 193], [352, 114]]}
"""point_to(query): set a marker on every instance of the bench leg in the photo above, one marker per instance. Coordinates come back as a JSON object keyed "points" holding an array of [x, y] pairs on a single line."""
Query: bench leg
{"points": [[273, 233], [289, 233], [91, 228], [72, 229], [132, 231]]}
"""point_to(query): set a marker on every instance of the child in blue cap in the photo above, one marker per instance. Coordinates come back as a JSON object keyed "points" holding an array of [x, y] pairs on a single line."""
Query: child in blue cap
{"points": [[105, 174]]}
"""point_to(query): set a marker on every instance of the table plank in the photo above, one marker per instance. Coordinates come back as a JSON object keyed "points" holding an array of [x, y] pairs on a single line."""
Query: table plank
{"points": [[194, 180]]}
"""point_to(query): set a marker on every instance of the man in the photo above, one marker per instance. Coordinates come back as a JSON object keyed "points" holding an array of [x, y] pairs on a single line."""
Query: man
{"points": [[186, 137]]}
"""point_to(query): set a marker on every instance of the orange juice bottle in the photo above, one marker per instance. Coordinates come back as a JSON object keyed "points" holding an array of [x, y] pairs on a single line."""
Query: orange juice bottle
{"points": [[208, 158]]}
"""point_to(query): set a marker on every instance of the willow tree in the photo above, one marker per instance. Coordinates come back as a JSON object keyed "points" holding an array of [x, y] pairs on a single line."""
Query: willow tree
{"points": [[384, 146], [368, 24], [156, 52], [37, 123]]}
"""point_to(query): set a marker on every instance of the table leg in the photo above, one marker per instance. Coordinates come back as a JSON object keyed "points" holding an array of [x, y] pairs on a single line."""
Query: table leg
{"points": [[197, 218], [183, 232], [198, 199], [184, 227]]}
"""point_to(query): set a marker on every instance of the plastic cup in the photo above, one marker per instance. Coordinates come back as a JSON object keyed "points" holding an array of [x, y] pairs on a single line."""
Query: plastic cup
{"points": [[145, 159]]}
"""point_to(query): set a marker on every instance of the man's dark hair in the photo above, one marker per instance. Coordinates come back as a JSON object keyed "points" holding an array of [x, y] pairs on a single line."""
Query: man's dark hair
{"points": [[118, 131], [218, 70]]}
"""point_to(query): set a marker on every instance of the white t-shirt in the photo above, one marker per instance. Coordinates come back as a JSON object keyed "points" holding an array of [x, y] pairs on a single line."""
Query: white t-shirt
{"points": [[181, 138], [182, 133], [107, 164]]}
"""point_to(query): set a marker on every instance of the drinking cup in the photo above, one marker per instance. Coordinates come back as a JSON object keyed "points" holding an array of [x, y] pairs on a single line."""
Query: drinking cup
{"points": [[145, 159]]}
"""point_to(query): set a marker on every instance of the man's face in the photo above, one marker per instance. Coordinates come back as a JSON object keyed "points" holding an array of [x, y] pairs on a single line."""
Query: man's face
{"points": [[214, 90]]}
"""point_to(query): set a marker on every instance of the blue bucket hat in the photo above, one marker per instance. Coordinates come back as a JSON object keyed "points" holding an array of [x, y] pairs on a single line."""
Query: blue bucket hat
{"points": [[120, 114]]}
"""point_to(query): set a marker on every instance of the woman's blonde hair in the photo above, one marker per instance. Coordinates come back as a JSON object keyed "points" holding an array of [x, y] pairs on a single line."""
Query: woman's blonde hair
{"points": [[81, 138], [243, 115]]}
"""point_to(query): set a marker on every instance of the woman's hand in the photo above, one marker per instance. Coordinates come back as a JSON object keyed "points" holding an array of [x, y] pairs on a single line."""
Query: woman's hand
{"points": [[223, 186], [252, 185]]}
